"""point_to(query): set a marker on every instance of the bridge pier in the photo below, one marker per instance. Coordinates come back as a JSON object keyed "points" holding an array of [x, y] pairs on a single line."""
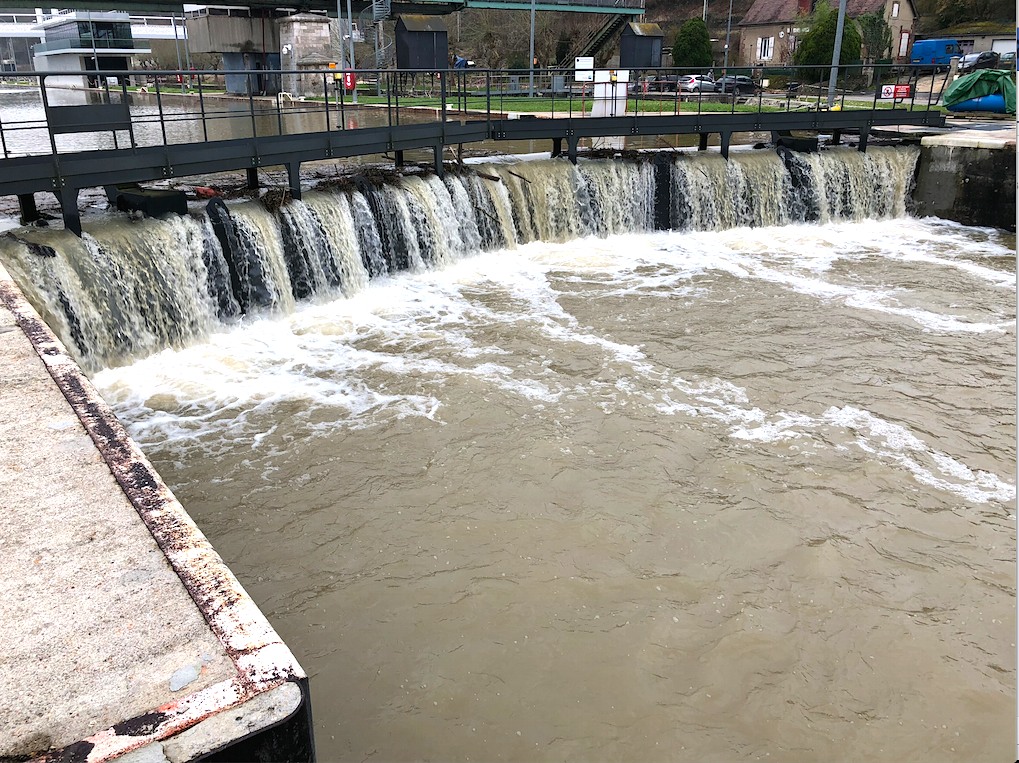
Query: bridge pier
{"points": [[726, 138], [702, 141], [252, 173], [572, 144], [294, 175], [437, 149], [68, 198], [663, 191], [29, 212], [864, 134], [557, 147]]}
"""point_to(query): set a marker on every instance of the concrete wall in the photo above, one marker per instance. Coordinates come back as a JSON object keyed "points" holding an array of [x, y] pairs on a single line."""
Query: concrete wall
{"points": [[305, 44], [967, 184], [69, 62], [233, 34]]}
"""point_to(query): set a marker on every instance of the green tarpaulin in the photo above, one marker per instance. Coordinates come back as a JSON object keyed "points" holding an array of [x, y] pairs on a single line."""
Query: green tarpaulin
{"points": [[981, 83]]}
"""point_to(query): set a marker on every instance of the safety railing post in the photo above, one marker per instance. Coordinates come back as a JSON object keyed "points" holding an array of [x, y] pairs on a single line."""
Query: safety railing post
{"points": [[201, 108], [325, 92], [251, 108], [130, 124], [159, 109]]}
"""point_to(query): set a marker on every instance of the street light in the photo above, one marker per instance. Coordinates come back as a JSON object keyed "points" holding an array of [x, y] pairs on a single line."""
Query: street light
{"points": [[837, 53], [531, 65], [728, 31]]}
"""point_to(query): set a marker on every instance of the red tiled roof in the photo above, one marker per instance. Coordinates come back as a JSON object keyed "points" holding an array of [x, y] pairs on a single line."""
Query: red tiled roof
{"points": [[771, 12], [783, 11]]}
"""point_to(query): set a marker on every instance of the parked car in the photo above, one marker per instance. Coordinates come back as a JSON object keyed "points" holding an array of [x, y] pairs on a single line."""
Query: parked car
{"points": [[1007, 60], [737, 85], [973, 61], [663, 83], [693, 83]]}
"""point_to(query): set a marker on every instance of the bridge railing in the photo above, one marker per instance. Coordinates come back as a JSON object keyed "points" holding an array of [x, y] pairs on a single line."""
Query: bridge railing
{"points": [[58, 112]]}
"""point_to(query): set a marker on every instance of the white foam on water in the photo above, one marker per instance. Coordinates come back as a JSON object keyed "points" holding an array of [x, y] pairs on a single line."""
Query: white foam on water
{"points": [[388, 351]]}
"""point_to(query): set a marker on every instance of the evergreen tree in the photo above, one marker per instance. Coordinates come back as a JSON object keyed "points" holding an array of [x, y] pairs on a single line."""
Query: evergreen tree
{"points": [[693, 45], [817, 46], [876, 34]]}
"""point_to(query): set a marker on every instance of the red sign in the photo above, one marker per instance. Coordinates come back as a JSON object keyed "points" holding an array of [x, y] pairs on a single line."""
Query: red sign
{"points": [[895, 91], [349, 81]]}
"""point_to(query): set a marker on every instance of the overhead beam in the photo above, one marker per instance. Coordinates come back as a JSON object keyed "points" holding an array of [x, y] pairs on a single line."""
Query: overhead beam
{"points": [[430, 7]]}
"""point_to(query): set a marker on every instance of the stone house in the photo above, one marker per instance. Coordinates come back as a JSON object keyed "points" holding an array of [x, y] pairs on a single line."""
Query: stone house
{"points": [[769, 30]]}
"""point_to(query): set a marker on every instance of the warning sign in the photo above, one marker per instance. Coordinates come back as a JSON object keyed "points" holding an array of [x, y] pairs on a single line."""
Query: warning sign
{"points": [[895, 91]]}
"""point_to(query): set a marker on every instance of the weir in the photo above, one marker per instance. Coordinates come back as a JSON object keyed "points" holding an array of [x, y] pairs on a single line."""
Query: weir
{"points": [[130, 288]]}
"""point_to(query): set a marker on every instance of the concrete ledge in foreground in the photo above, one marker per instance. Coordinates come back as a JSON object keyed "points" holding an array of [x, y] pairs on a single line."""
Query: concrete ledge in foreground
{"points": [[125, 635]]}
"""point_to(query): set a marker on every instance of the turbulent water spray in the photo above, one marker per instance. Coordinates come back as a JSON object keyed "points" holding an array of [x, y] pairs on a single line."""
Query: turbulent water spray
{"points": [[131, 288]]}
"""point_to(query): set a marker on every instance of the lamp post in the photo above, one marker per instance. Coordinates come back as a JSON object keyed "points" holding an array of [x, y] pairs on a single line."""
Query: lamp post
{"points": [[530, 88], [837, 53], [350, 32], [728, 32]]}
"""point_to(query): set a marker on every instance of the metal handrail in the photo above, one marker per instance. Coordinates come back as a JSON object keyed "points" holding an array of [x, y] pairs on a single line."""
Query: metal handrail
{"points": [[482, 94]]}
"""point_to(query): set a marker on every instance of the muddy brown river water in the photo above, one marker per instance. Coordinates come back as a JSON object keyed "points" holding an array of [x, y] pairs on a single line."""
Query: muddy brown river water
{"points": [[744, 490], [710, 497]]}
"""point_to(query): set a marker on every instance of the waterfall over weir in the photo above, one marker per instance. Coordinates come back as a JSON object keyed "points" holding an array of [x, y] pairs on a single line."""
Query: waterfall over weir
{"points": [[130, 288]]}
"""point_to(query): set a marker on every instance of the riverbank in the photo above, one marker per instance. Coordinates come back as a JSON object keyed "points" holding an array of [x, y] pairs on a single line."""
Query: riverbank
{"points": [[123, 628]]}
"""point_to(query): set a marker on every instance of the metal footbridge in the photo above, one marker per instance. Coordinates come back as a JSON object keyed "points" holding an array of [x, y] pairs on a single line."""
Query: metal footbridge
{"points": [[121, 135]]}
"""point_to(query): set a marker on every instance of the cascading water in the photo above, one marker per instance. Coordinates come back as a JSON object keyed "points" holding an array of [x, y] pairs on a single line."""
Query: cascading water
{"points": [[128, 289]]}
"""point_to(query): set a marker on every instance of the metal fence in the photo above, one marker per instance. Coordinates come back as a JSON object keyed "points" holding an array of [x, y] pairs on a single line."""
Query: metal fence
{"points": [[57, 112]]}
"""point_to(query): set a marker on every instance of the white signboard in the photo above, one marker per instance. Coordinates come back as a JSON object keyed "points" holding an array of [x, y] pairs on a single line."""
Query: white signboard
{"points": [[583, 69]]}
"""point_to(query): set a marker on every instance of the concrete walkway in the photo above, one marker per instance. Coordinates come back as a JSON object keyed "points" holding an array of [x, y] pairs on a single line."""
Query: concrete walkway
{"points": [[123, 629]]}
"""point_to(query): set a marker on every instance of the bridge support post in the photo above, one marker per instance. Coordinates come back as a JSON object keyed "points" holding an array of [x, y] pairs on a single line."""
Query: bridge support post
{"points": [[29, 212], [437, 148], [68, 198], [294, 174], [557, 147], [572, 143], [726, 138], [836, 137], [702, 141], [252, 173], [399, 157], [663, 190], [864, 134]]}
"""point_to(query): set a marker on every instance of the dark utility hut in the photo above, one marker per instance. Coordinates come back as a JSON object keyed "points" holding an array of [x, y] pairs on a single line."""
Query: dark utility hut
{"points": [[640, 46], [421, 43]]}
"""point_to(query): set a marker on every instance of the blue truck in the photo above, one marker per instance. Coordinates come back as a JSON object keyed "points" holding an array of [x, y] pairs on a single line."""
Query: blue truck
{"points": [[934, 54]]}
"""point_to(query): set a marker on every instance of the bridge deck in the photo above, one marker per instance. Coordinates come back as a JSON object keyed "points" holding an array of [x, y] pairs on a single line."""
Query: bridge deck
{"points": [[469, 108]]}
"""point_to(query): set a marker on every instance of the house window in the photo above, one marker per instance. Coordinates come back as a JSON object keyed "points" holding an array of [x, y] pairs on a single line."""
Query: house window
{"points": [[903, 44], [895, 10], [765, 48]]}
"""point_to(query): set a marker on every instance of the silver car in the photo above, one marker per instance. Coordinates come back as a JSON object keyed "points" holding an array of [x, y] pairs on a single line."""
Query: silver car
{"points": [[692, 83]]}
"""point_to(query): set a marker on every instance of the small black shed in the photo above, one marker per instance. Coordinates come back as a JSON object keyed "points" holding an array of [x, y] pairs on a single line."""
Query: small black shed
{"points": [[421, 43], [640, 46]]}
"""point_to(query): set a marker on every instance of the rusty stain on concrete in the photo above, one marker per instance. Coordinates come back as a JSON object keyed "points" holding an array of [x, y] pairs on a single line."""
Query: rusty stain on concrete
{"points": [[261, 660]]}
